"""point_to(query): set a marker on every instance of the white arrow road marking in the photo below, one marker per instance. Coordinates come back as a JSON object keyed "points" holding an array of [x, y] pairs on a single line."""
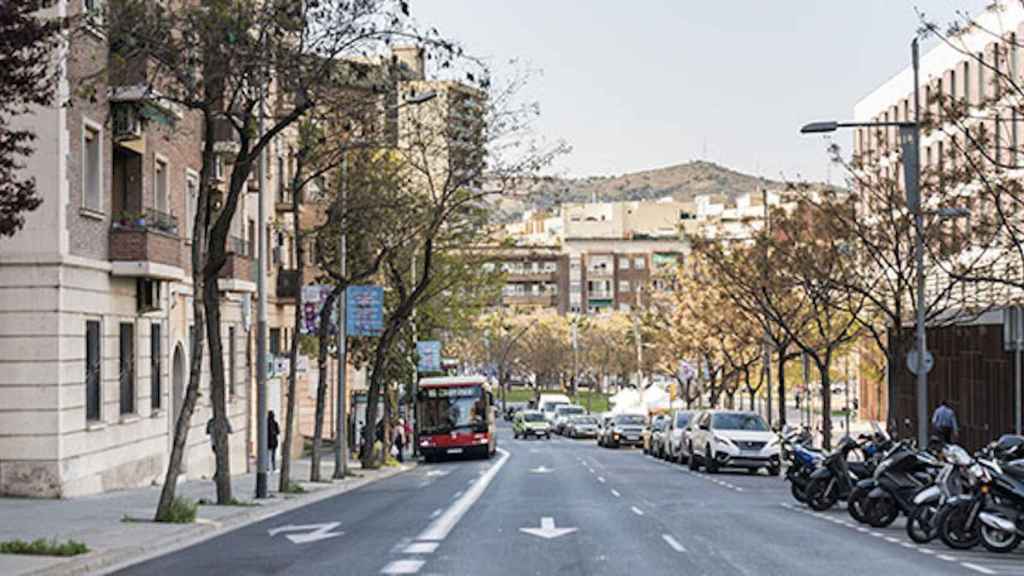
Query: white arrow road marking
{"points": [[541, 470], [314, 532], [547, 529], [437, 473], [673, 543]]}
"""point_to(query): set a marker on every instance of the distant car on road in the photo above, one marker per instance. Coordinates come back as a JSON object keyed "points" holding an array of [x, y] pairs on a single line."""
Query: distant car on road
{"points": [[529, 423], [562, 414], [624, 430], [548, 402], [733, 439], [677, 436], [651, 431], [584, 426]]}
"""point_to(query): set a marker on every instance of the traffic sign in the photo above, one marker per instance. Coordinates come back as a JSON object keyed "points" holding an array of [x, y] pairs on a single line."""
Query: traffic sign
{"points": [[912, 362]]}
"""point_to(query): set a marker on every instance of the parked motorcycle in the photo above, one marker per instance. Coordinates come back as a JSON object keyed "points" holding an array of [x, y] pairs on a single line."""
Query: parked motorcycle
{"points": [[922, 525], [992, 512], [898, 479], [836, 477], [802, 459]]}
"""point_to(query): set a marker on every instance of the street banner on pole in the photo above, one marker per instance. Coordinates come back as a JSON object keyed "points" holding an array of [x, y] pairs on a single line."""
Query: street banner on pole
{"points": [[313, 298], [364, 311], [429, 353]]}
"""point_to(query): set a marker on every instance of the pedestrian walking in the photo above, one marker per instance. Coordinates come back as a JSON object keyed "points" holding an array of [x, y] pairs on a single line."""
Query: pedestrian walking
{"points": [[273, 432], [944, 423], [400, 441]]}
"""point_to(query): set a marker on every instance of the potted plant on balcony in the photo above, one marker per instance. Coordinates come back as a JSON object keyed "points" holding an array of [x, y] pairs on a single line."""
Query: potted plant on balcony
{"points": [[128, 219]]}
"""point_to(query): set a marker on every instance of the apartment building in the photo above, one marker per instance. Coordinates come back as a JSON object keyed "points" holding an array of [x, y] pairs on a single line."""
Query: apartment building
{"points": [[974, 369], [96, 292], [535, 277], [717, 216]]}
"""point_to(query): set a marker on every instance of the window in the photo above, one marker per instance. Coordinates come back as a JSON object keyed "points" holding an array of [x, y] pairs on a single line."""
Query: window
{"points": [[280, 180], [231, 360], [981, 78], [1014, 137], [997, 136], [640, 263], [623, 285], [967, 82], [155, 366], [252, 239], [1014, 61], [275, 341], [160, 184], [624, 263], [126, 367], [952, 83], [92, 167], [93, 369], [191, 202]]}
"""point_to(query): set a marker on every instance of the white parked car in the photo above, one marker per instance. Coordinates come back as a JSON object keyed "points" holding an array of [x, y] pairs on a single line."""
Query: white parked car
{"points": [[733, 439], [677, 437]]}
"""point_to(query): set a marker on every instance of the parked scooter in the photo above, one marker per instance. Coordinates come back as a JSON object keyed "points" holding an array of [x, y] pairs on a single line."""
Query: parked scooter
{"points": [[837, 476], [899, 477], [922, 525], [803, 459]]}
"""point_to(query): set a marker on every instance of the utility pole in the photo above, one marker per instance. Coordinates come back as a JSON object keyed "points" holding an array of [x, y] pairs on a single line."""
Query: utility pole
{"points": [[767, 333], [261, 321], [341, 425], [918, 209]]}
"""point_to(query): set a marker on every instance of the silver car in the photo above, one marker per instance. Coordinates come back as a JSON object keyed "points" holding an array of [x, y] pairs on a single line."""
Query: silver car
{"points": [[583, 426]]}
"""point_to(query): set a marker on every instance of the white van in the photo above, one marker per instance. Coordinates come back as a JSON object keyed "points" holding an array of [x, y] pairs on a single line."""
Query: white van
{"points": [[548, 402]]}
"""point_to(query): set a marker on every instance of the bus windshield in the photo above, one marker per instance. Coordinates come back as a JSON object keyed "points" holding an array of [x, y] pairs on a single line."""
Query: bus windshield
{"points": [[443, 410]]}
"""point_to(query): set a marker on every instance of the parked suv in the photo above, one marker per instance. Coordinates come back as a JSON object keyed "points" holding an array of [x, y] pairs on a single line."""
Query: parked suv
{"points": [[732, 439], [677, 437], [624, 430]]}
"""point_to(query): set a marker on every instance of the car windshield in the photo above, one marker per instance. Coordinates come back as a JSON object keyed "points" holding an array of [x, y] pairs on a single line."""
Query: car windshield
{"points": [[533, 417], [553, 406], [682, 419], [738, 421], [585, 420], [570, 410], [630, 420]]}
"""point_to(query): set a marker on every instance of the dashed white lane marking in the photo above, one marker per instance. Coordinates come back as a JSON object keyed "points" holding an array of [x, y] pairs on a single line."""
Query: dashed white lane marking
{"points": [[421, 548], [616, 493], [637, 511], [925, 551], [892, 540], [403, 567], [946, 557], [673, 543], [977, 568], [436, 513], [600, 479]]}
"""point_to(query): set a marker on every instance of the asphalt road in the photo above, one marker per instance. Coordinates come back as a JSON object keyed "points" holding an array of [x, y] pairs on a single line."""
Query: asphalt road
{"points": [[592, 510]]}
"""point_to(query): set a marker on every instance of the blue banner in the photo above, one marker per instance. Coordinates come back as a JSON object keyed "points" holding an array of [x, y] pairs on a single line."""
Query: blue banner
{"points": [[429, 353], [364, 311]]}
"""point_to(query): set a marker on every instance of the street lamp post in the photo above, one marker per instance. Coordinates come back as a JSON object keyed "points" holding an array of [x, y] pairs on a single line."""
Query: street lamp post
{"points": [[910, 143]]}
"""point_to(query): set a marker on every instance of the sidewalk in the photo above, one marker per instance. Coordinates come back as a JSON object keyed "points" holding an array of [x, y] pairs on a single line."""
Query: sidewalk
{"points": [[98, 520]]}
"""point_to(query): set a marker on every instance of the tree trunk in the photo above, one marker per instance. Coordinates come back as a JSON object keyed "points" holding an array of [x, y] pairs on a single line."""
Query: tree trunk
{"points": [[221, 445], [323, 333], [826, 404], [196, 338], [782, 386], [289, 419]]}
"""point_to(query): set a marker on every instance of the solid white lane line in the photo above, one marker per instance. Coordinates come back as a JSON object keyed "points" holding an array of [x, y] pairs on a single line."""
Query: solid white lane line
{"points": [[403, 567], [673, 543], [616, 493], [421, 548], [977, 568], [637, 511], [440, 527]]}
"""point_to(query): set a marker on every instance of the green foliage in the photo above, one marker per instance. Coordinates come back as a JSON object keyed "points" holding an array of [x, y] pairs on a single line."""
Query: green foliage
{"points": [[294, 488], [43, 547], [181, 511]]}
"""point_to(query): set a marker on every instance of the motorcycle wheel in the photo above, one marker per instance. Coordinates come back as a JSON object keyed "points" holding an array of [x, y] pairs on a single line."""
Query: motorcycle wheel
{"points": [[949, 525], [798, 493], [921, 524], [855, 503], [998, 541], [819, 496], [882, 513]]}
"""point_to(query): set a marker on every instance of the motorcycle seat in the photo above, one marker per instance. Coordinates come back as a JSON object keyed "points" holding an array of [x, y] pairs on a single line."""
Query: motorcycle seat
{"points": [[1015, 469], [859, 469]]}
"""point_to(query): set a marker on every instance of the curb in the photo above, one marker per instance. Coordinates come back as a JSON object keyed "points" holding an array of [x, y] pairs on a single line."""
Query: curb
{"points": [[110, 561]]}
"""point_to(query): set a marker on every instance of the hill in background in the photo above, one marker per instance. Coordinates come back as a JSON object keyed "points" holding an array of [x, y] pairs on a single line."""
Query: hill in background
{"points": [[682, 182]]}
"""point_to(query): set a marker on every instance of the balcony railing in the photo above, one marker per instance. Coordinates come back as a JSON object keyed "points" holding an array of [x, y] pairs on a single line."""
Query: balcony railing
{"points": [[148, 236], [238, 265]]}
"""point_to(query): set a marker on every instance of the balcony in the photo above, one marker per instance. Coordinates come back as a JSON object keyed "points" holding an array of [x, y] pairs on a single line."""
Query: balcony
{"points": [[145, 245], [533, 300], [237, 273], [288, 285], [225, 138]]}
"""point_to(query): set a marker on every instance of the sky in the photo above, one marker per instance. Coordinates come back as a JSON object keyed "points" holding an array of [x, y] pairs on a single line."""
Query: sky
{"points": [[634, 85]]}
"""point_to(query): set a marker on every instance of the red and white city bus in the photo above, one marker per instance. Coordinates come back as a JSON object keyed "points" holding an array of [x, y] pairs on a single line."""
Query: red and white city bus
{"points": [[455, 416]]}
